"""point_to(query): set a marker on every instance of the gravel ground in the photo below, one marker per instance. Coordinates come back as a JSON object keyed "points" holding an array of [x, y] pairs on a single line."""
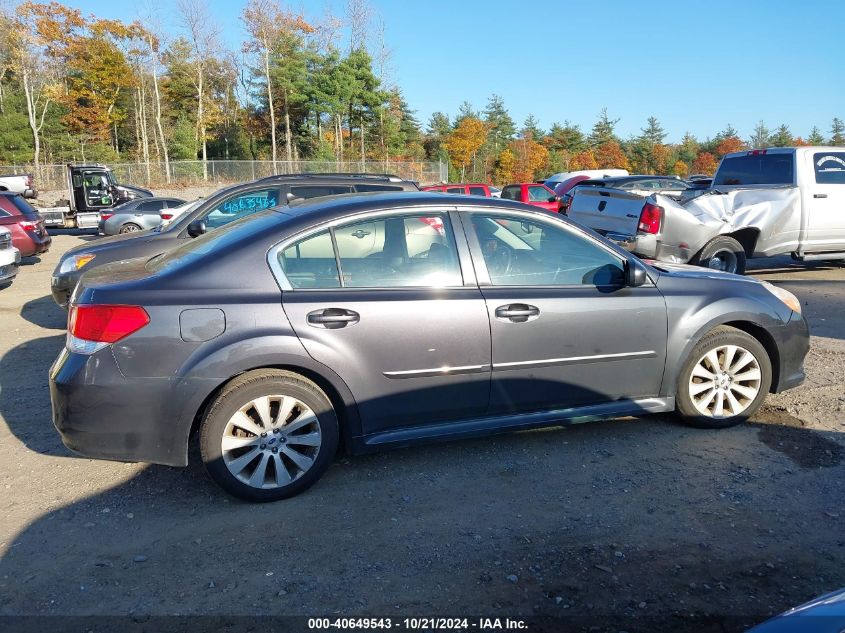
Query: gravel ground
{"points": [[634, 524]]}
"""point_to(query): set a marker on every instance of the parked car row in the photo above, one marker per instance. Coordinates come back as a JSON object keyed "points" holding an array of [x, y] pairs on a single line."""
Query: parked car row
{"points": [[273, 317], [22, 234]]}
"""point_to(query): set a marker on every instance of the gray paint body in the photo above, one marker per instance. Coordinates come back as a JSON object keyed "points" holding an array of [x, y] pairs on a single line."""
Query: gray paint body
{"points": [[591, 353]]}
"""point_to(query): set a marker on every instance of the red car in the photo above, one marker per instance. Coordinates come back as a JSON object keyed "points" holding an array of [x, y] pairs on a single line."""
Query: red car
{"points": [[25, 224], [473, 189], [532, 193]]}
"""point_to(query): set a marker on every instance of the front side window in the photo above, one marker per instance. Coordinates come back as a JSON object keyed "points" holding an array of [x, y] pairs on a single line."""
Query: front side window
{"points": [[539, 194], [240, 206], [830, 168], [477, 191], [454, 190], [523, 252]]}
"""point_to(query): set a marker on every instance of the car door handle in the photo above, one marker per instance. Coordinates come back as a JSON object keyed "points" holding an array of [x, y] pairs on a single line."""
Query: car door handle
{"points": [[820, 195], [517, 312], [333, 318]]}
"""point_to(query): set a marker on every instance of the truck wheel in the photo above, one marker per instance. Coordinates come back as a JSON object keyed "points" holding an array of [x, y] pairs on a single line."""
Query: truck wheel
{"points": [[724, 380], [129, 227], [722, 253]]}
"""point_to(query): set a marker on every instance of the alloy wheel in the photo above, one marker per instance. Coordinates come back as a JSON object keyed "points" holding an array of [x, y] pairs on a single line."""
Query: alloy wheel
{"points": [[724, 261], [271, 441], [725, 381]]}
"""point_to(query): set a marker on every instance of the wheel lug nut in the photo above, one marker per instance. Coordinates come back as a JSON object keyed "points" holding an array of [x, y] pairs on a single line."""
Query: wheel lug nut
{"points": [[275, 431], [263, 446], [264, 434], [275, 450]]}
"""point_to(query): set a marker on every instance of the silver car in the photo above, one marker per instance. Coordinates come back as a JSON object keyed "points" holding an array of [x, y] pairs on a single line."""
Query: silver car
{"points": [[136, 215]]}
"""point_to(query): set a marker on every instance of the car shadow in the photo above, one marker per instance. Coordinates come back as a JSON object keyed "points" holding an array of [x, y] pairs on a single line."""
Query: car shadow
{"points": [[30, 260], [44, 313]]}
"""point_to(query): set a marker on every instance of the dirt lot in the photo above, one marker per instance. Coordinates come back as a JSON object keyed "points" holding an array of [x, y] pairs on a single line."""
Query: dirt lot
{"points": [[599, 523]]}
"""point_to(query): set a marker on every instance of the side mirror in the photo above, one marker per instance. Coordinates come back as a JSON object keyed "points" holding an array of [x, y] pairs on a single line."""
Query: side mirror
{"points": [[554, 199], [197, 228], [635, 274]]}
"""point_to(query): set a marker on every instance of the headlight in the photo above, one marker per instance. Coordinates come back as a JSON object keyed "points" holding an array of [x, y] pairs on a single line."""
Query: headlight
{"points": [[75, 262], [788, 299]]}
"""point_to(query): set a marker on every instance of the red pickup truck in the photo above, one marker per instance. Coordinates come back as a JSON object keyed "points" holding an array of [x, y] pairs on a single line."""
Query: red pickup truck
{"points": [[473, 189], [532, 193]]}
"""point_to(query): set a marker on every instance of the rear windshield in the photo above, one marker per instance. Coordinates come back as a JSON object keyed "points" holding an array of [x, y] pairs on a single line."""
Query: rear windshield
{"points": [[15, 205], [759, 169]]}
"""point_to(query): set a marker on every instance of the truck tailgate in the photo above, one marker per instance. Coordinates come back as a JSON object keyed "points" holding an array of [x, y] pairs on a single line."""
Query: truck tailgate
{"points": [[606, 210]]}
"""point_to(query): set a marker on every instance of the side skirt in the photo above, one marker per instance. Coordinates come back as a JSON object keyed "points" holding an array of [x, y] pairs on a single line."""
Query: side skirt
{"points": [[446, 431]]}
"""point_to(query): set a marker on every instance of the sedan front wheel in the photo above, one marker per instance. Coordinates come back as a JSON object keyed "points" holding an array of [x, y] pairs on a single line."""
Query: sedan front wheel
{"points": [[725, 379]]}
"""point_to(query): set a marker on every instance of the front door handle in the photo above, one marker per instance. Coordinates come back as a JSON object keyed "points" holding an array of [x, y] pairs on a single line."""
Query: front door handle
{"points": [[820, 195], [333, 318], [517, 312]]}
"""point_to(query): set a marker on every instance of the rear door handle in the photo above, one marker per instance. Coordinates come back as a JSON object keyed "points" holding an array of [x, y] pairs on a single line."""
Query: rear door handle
{"points": [[332, 318], [820, 195], [517, 312]]}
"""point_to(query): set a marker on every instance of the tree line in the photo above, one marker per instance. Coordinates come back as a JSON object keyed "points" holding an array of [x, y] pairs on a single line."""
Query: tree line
{"points": [[82, 88]]}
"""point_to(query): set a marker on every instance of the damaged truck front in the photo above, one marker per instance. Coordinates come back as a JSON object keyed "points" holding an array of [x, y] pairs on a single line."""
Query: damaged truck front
{"points": [[762, 203]]}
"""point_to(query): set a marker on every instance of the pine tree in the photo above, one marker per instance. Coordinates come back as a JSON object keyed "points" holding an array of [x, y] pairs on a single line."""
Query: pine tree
{"points": [[531, 127], [837, 132], [760, 138], [782, 137], [654, 132], [499, 122], [603, 130], [815, 137], [567, 138]]}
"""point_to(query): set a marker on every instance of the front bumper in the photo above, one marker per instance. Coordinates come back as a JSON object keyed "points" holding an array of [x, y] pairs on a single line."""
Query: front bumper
{"points": [[101, 414], [9, 270], [793, 344]]}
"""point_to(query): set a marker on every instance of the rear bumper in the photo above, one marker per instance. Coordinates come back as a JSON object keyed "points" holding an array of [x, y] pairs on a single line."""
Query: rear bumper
{"points": [[651, 247], [101, 414]]}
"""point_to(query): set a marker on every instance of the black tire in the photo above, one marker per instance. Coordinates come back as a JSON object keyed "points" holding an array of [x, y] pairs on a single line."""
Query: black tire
{"points": [[725, 250], [714, 339], [239, 393], [129, 227]]}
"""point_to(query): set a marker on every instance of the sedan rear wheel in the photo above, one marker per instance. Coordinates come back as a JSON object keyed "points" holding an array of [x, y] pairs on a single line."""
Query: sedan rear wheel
{"points": [[269, 435], [724, 380]]}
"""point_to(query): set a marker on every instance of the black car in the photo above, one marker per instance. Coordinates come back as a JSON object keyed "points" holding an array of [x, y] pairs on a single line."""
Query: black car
{"points": [[218, 209], [382, 320]]}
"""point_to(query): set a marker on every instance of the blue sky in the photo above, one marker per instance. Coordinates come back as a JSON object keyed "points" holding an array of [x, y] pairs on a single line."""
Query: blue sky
{"points": [[696, 67]]}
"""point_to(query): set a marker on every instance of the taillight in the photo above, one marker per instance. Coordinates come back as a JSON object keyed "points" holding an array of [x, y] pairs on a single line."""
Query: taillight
{"points": [[105, 216], [166, 216], [95, 326], [650, 218], [29, 225]]}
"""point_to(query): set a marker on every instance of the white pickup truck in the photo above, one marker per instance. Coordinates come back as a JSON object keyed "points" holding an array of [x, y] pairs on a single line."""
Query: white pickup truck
{"points": [[761, 203], [18, 183]]}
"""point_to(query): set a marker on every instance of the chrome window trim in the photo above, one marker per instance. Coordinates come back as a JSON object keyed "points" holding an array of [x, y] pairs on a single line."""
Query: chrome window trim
{"points": [[284, 283]]}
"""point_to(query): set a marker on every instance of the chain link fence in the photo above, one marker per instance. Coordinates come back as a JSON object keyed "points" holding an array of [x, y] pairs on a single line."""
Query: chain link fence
{"points": [[197, 172]]}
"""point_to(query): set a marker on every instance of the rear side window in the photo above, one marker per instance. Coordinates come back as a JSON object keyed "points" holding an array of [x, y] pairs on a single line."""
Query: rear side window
{"points": [[316, 191], [151, 205], [830, 168], [478, 191], [310, 263], [539, 194], [759, 169], [15, 205], [240, 206], [511, 193], [454, 190]]}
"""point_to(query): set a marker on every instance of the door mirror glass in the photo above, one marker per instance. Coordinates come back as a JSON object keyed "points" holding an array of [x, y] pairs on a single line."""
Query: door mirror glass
{"points": [[197, 228], [635, 274]]}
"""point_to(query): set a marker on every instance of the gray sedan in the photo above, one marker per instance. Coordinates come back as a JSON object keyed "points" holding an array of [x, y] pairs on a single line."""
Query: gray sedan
{"points": [[383, 320], [136, 215]]}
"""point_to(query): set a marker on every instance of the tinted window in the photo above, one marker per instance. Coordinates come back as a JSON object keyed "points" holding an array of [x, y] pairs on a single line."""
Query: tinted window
{"points": [[760, 169], [363, 188], [398, 251], [478, 191], [539, 194], [315, 191], [830, 168], [16, 205], [151, 205], [521, 252], [310, 263], [511, 192], [240, 206], [455, 190]]}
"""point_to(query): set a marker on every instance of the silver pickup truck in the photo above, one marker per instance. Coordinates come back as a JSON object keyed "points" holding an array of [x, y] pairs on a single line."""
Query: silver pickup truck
{"points": [[761, 203], [18, 183]]}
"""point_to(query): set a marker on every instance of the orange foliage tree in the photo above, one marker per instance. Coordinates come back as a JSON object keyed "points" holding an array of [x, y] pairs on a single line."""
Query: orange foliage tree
{"points": [[610, 155], [465, 141], [681, 169], [505, 164], [529, 158], [704, 163], [583, 160], [728, 145]]}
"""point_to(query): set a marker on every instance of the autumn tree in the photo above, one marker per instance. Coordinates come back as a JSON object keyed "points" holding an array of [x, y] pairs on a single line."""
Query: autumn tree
{"points": [[465, 141], [729, 144], [529, 158], [505, 166], [705, 163], [609, 155], [681, 169], [583, 160]]}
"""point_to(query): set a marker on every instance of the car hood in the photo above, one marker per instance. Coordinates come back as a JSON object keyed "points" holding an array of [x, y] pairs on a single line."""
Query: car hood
{"points": [[825, 614], [688, 271], [113, 241]]}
